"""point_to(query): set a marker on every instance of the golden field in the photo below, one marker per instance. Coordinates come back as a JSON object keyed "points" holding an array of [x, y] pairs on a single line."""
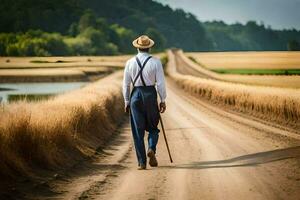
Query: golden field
{"points": [[57, 69], [62, 62], [280, 104], [248, 60], [292, 81], [59, 132]]}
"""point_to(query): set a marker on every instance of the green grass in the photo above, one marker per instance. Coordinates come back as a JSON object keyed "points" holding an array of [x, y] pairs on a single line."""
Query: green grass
{"points": [[259, 71], [28, 97]]}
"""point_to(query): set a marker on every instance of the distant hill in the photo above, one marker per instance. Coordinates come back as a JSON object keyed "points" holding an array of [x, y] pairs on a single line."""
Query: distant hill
{"points": [[107, 27]]}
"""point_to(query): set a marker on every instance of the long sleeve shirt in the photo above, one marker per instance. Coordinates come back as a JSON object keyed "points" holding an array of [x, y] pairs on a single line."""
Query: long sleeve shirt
{"points": [[153, 74]]}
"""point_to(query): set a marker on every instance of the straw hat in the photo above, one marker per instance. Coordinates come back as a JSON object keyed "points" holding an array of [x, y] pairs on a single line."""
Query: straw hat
{"points": [[143, 42]]}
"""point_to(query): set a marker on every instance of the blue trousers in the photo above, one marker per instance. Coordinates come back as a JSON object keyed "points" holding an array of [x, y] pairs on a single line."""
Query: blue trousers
{"points": [[144, 117]]}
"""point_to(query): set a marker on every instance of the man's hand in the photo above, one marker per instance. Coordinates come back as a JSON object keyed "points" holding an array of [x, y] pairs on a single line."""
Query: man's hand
{"points": [[127, 109], [162, 107]]}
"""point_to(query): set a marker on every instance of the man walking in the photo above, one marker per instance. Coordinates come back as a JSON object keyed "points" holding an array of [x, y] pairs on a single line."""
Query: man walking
{"points": [[144, 73]]}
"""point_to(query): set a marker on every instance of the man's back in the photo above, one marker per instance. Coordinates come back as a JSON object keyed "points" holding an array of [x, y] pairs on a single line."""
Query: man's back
{"points": [[152, 73], [149, 72]]}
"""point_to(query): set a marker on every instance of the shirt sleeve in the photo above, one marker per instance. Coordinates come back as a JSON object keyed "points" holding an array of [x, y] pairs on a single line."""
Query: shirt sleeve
{"points": [[160, 82], [126, 84]]}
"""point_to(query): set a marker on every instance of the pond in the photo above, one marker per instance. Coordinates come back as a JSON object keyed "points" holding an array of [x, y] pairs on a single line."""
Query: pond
{"points": [[35, 91]]}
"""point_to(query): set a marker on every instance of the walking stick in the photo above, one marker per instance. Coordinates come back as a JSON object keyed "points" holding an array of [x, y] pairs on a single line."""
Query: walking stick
{"points": [[165, 137]]}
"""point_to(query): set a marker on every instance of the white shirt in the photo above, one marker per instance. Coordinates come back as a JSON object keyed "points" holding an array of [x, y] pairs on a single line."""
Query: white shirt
{"points": [[153, 74]]}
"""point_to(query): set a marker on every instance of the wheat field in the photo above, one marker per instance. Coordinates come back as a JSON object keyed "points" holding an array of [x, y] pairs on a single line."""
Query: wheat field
{"points": [[248, 60], [280, 104], [292, 81]]}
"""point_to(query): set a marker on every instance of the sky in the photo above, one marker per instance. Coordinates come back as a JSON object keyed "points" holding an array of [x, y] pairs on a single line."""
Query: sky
{"points": [[279, 14]]}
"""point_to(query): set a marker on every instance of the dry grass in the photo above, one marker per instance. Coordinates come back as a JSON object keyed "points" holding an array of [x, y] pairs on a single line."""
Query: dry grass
{"points": [[62, 62], [282, 105], [262, 80], [58, 132], [248, 60], [51, 74]]}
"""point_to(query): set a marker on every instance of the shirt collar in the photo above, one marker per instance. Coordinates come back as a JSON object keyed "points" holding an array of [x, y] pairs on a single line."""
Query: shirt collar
{"points": [[143, 53]]}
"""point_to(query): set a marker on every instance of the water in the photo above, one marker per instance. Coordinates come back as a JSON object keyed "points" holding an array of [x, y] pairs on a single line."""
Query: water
{"points": [[38, 89]]}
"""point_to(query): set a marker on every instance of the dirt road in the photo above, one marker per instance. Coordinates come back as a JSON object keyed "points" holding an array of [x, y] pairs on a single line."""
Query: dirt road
{"points": [[217, 155]]}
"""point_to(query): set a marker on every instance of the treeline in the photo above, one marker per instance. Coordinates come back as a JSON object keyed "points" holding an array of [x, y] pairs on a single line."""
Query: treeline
{"points": [[251, 36], [124, 19], [92, 27], [89, 36]]}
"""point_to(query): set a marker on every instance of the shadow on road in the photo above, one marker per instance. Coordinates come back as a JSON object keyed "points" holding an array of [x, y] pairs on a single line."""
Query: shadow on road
{"points": [[243, 161]]}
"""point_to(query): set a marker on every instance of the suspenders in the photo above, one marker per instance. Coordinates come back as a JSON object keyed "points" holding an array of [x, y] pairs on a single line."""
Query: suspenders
{"points": [[141, 69]]}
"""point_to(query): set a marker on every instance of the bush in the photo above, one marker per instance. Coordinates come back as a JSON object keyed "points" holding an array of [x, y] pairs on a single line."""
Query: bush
{"points": [[123, 38], [293, 45], [5, 40], [33, 43], [55, 44], [32, 47], [11, 50], [110, 49], [78, 45]]}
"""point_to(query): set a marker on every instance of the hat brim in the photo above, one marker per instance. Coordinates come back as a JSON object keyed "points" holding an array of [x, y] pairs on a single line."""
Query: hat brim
{"points": [[135, 44]]}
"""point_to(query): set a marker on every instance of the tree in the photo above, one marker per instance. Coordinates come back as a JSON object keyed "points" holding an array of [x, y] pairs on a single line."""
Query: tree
{"points": [[293, 45], [88, 19], [73, 30], [160, 40], [123, 38]]}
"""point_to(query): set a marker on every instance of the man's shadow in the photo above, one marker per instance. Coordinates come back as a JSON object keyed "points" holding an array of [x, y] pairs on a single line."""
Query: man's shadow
{"points": [[244, 160]]}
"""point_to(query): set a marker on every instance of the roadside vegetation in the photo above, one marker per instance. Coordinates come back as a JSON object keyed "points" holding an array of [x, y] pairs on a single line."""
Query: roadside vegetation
{"points": [[58, 132]]}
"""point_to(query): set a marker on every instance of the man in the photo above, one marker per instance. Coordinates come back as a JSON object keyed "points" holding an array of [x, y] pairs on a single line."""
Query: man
{"points": [[144, 72]]}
